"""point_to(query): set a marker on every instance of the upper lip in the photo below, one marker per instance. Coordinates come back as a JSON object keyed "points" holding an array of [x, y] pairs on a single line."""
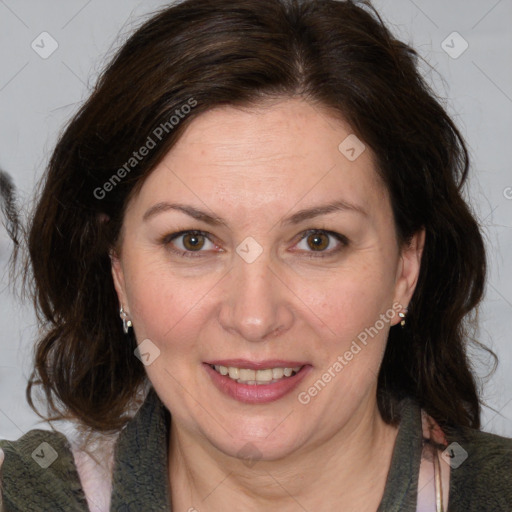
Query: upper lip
{"points": [[257, 365]]}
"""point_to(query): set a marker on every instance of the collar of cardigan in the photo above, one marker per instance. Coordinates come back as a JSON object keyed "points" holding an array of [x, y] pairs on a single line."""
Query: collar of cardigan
{"points": [[140, 479]]}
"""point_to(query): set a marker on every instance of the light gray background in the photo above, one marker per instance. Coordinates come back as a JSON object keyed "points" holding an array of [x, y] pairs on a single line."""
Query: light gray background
{"points": [[37, 97]]}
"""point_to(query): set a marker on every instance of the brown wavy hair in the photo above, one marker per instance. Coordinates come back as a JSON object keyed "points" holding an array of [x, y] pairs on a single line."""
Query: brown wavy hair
{"points": [[336, 54]]}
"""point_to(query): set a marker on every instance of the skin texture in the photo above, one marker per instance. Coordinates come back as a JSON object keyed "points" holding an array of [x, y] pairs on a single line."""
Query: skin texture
{"points": [[254, 167]]}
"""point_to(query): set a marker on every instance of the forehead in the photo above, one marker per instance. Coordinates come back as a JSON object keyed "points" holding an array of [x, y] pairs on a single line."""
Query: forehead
{"points": [[283, 153]]}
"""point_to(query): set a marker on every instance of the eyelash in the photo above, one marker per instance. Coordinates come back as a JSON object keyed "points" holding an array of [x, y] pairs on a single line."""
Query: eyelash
{"points": [[166, 241], [342, 239]]}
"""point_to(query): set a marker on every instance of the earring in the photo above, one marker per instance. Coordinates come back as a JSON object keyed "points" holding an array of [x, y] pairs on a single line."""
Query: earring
{"points": [[127, 323], [402, 316]]}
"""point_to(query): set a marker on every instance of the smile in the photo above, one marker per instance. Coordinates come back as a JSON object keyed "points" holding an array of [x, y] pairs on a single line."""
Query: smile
{"points": [[256, 377], [264, 383]]}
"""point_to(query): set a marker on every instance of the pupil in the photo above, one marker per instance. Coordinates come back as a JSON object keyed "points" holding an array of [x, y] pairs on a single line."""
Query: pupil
{"points": [[318, 241], [193, 242]]}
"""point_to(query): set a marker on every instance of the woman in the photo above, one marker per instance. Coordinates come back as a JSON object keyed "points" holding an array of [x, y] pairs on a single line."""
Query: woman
{"points": [[255, 226]]}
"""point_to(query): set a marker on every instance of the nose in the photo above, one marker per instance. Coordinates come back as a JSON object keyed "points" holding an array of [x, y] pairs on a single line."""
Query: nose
{"points": [[257, 304]]}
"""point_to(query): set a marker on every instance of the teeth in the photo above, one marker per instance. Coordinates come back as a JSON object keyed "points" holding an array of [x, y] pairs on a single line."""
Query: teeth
{"points": [[254, 377], [246, 374], [264, 375], [277, 373]]}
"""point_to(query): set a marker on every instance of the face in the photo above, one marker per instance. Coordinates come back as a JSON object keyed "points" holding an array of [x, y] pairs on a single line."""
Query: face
{"points": [[257, 245]]}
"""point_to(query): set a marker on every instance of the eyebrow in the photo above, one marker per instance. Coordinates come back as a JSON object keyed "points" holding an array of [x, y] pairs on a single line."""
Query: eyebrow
{"points": [[214, 220], [187, 209], [316, 211]]}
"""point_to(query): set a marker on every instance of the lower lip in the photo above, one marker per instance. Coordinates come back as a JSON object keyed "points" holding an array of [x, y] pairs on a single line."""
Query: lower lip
{"points": [[256, 393]]}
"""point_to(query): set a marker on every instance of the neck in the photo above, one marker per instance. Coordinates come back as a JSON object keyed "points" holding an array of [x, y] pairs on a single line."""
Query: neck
{"points": [[347, 469]]}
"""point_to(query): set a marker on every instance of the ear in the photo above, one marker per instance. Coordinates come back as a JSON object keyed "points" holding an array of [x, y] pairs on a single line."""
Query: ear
{"points": [[116, 268], [408, 270]]}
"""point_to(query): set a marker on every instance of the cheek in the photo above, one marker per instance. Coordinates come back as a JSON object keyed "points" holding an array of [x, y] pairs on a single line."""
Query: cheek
{"points": [[353, 316], [167, 309], [349, 300]]}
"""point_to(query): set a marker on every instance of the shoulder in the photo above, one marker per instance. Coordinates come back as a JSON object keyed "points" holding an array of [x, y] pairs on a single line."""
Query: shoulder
{"points": [[39, 468], [28, 439], [481, 470], [36, 449]]}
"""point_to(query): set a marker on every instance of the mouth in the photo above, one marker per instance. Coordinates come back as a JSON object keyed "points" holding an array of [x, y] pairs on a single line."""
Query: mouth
{"points": [[253, 377], [256, 382]]}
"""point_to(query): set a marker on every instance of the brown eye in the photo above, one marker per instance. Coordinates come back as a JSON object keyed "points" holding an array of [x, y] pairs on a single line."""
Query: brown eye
{"points": [[318, 241], [193, 241]]}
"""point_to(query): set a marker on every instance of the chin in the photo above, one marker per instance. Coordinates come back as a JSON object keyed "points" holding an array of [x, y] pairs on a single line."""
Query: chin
{"points": [[255, 441]]}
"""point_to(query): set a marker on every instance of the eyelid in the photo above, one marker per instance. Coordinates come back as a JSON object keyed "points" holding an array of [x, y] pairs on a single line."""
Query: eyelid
{"points": [[168, 239], [342, 239]]}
